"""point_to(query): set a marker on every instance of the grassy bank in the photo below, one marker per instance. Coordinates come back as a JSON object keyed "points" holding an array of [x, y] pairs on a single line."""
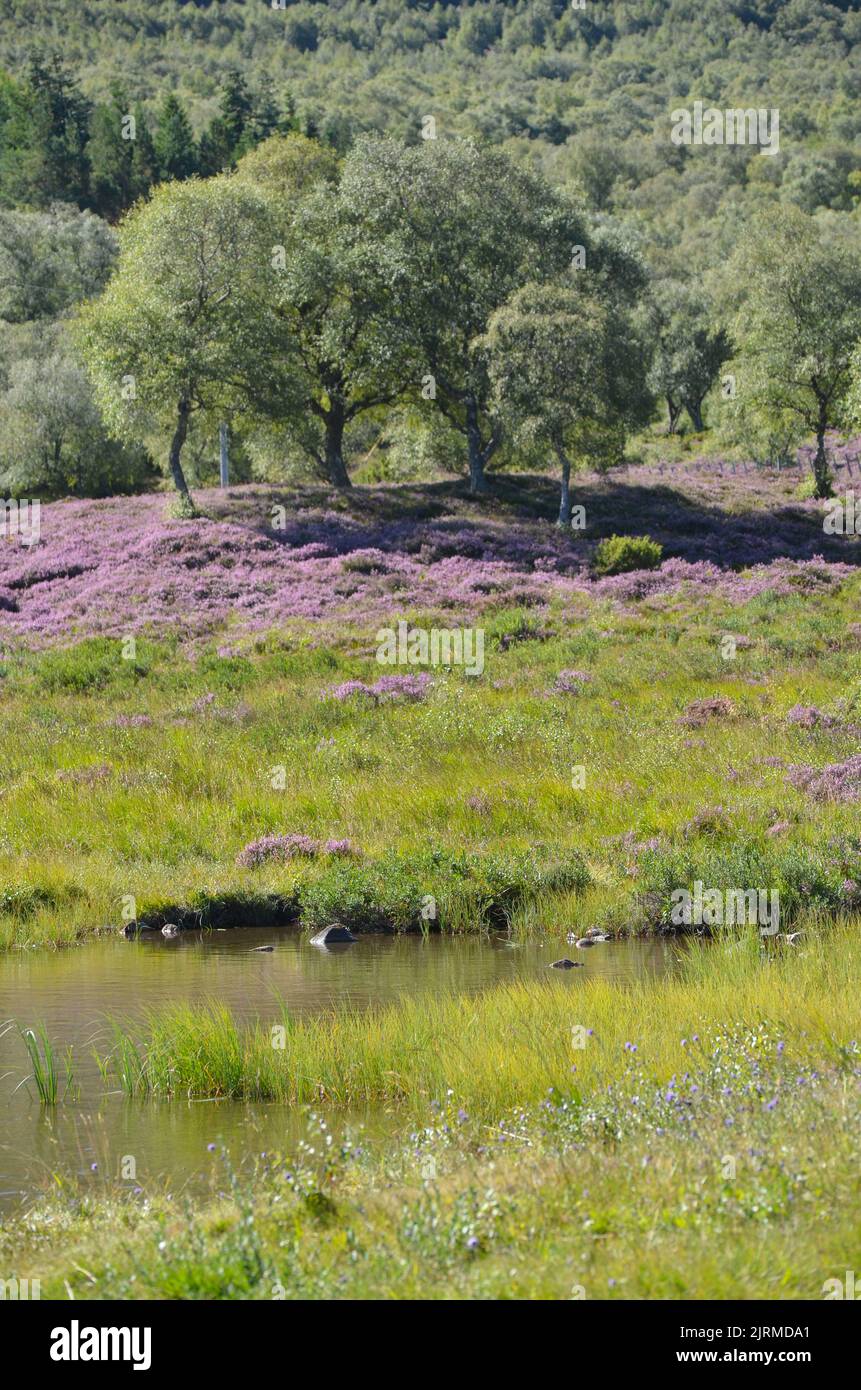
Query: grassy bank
{"points": [[142, 782], [701, 1143]]}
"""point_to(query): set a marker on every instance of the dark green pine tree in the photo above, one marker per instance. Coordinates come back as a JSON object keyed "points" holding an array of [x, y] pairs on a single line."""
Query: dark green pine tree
{"points": [[58, 138], [225, 138], [22, 154], [110, 151], [266, 117], [236, 108], [175, 148], [144, 158]]}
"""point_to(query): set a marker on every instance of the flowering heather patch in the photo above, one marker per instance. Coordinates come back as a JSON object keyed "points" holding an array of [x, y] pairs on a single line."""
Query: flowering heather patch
{"points": [[280, 848], [86, 776], [131, 721], [850, 891], [570, 682], [340, 847], [401, 687], [712, 820], [834, 782], [387, 689], [347, 690], [277, 847], [119, 565], [700, 712], [809, 717], [631, 849]]}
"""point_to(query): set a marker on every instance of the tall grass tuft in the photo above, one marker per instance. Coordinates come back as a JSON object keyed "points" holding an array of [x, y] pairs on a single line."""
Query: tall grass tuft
{"points": [[509, 1046], [46, 1072]]}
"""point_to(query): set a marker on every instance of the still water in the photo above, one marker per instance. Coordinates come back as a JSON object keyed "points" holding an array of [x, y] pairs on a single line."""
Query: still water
{"points": [[75, 991]]}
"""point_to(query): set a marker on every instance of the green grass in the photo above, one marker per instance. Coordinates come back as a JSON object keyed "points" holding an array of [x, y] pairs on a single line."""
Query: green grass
{"points": [[506, 1047], [46, 1075], [96, 815], [704, 1143]]}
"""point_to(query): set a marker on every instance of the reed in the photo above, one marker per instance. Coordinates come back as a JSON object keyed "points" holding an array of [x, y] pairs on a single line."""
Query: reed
{"points": [[513, 1044]]}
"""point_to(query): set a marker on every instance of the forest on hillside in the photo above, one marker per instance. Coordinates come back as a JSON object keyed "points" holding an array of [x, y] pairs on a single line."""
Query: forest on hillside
{"points": [[102, 104]]}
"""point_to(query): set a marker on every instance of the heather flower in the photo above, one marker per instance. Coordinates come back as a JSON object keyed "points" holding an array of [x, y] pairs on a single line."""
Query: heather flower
{"points": [[117, 565], [86, 776], [387, 689], [278, 848], [809, 717], [850, 892], [347, 690], [835, 782], [570, 682], [339, 847], [779, 828], [699, 712], [712, 820], [401, 687], [132, 721]]}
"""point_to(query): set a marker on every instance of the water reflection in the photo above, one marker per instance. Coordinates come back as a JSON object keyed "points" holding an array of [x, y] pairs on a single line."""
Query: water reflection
{"points": [[75, 991]]}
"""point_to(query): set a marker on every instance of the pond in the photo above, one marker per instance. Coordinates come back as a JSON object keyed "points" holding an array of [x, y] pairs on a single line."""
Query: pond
{"points": [[74, 992]]}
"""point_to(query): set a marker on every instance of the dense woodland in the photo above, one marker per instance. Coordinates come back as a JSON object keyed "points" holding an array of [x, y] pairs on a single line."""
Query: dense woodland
{"points": [[717, 290]]}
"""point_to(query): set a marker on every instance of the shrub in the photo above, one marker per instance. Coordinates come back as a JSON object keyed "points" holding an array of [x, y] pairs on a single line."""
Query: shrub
{"points": [[619, 554], [89, 666], [389, 894]]}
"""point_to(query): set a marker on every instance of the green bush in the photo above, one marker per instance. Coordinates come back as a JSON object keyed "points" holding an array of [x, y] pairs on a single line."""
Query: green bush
{"points": [[619, 554], [803, 880], [389, 894], [89, 666]]}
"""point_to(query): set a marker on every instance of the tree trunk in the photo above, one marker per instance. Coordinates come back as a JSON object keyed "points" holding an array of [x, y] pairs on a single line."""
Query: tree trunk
{"points": [[820, 462], [695, 410], [336, 469], [477, 458], [674, 411], [179, 436], [565, 490]]}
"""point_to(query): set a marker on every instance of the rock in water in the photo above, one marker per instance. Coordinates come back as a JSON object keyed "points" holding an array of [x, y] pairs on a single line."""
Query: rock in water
{"points": [[263, 948], [330, 936], [565, 964]]}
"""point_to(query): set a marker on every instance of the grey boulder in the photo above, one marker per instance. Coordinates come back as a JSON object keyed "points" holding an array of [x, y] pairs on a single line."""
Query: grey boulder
{"points": [[332, 936]]}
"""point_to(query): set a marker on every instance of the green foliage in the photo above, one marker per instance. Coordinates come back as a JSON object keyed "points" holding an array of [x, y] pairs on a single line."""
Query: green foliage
{"points": [[52, 439], [619, 554], [88, 667], [470, 227], [567, 370], [44, 1063], [689, 348], [434, 889], [183, 327], [797, 321]]}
